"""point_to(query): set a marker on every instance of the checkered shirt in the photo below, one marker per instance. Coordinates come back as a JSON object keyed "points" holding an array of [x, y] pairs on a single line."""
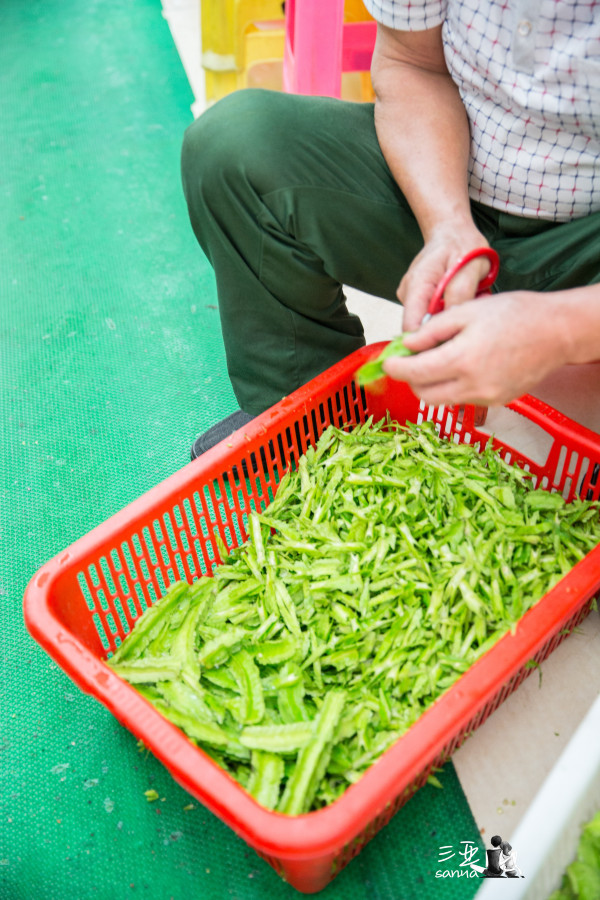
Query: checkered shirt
{"points": [[528, 72]]}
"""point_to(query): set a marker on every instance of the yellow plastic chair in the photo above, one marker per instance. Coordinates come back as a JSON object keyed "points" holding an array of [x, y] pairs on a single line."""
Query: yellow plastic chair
{"points": [[238, 36], [243, 45]]}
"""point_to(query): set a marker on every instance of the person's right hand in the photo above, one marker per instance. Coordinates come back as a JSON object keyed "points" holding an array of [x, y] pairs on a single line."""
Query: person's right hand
{"points": [[445, 245], [492, 349]]}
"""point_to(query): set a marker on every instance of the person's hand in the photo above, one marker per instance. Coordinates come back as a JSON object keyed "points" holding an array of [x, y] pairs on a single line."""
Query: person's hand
{"points": [[444, 247], [485, 351]]}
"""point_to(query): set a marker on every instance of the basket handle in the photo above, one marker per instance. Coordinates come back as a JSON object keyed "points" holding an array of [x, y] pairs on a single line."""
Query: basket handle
{"points": [[555, 422]]}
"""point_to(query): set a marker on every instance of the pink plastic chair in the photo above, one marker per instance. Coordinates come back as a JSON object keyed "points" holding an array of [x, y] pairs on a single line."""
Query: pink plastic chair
{"points": [[319, 46]]}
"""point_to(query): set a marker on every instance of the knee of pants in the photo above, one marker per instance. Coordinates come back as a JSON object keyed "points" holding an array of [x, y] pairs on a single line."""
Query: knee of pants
{"points": [[234, 139]]}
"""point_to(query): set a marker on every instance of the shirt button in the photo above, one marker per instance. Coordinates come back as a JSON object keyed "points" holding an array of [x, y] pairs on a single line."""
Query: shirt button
{"points": [[524, 28]]}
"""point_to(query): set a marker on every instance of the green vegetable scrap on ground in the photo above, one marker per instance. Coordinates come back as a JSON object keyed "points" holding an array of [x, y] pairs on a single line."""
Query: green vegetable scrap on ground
{"points": [[581, 880], [387, 563]]}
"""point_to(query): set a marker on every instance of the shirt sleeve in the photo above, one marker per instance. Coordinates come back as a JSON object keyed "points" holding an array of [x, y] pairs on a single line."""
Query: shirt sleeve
{"points": [[408, 15]]}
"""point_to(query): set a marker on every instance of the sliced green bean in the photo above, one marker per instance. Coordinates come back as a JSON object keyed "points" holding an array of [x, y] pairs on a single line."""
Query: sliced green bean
{"points": [[247, 676], [148, 670], [205, 732], [277, 738], [373, 370], [217, 651], [312, 759], [265, 778], [150, 623]]}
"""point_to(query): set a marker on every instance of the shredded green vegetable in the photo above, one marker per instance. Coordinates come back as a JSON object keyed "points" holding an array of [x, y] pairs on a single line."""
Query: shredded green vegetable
{"points": [[387, 563]]}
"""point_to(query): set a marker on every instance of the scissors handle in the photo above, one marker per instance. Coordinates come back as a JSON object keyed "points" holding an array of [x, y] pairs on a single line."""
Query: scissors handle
{"points": [[436, 304]]}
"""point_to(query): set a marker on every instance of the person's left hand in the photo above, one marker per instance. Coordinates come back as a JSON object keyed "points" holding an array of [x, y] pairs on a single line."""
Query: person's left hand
{"points": [[486, 351]]}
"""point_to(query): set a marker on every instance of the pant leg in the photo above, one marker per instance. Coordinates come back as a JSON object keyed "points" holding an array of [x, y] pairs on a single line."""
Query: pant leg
{"points": [[537, 255], [290, 198]]}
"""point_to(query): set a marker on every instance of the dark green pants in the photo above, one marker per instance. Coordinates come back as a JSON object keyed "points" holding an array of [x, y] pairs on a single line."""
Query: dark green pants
{"points": [[290, 198]]}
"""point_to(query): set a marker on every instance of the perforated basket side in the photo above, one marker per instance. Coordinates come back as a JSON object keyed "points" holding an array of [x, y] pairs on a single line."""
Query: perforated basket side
{"points": [[84, 602], [177, 534]]}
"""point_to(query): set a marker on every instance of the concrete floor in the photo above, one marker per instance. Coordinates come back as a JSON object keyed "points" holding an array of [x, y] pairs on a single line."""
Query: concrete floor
{"points": [[503, 765]]}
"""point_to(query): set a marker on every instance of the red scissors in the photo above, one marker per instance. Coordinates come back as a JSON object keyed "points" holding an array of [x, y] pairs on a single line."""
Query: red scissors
{"points": [[436, 304]]}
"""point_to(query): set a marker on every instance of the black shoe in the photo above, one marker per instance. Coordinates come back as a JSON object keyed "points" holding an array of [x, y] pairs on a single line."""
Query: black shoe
{"points": [[219, 432]]}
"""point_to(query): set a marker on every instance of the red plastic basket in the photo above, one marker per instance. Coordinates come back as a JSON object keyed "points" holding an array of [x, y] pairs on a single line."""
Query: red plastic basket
{"points": [[81, 604]]}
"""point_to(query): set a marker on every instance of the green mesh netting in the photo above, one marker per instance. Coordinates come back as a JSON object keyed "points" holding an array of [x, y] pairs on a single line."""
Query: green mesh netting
{"points": [[111, 362]]}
